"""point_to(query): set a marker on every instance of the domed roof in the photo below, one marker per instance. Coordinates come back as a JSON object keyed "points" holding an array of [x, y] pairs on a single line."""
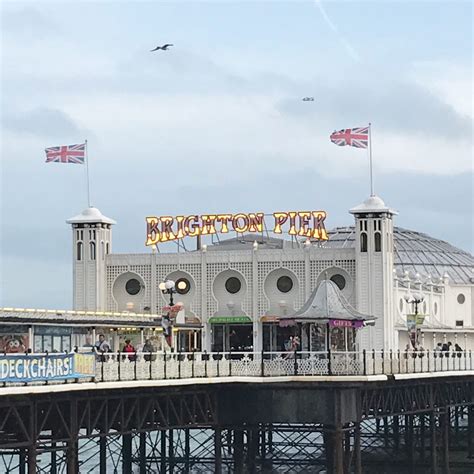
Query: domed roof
{"points": [[372, 204], [90, 215], [417, 253]]}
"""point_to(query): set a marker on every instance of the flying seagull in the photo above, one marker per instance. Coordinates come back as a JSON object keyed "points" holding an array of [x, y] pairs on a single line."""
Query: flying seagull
{"points": [[164, 47], [308, 99]]}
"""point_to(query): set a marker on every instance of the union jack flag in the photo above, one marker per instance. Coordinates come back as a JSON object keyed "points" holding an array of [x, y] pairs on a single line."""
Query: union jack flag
{"points": [[66, 154], [358, 137]]}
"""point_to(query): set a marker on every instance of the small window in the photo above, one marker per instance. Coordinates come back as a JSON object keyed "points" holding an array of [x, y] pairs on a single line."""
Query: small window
{"points": [[284, 284], [92, 250], [378, 242], [435, 307], [459, 323], [182, 286], [133, 287], [363, 242], [102, 251], [461, 298], [400, 305], [233, 285], [339, 280], [107, 248], [79, 250]]}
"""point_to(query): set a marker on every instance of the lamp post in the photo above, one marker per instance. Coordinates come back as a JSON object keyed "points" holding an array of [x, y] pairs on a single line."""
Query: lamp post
{"points": [[414, 300], [167, 288]]}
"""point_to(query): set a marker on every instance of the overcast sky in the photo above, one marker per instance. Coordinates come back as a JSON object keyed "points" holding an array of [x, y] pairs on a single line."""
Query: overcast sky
{"points": [[217, 124]]}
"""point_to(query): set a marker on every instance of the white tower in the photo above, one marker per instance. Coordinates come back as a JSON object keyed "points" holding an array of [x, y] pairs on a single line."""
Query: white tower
{"points": [[92, 242], [374, 271]]}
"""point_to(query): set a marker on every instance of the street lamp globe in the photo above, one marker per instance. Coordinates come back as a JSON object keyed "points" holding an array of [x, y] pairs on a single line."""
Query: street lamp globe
{"points": [[169, 284]]}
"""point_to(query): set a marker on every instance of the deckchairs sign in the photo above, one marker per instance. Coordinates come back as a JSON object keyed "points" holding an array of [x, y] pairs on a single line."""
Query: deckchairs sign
{"points": [[308, 224]]}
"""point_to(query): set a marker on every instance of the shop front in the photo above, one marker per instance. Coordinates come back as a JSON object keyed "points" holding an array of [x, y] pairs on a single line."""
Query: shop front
{"points": [[231, 333], [325, 322]]}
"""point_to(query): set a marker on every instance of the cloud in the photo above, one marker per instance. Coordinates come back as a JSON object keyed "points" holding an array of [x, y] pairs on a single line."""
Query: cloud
{"points": [[43, 122], [450, 81], [27, 23]]}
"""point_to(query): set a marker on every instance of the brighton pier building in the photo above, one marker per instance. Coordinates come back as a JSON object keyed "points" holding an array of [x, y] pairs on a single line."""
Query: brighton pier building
{"points": [[238, 290]]}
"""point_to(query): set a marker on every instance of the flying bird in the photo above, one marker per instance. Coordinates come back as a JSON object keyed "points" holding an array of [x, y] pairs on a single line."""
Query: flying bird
{"points": [[164, 47], [308, 99]]}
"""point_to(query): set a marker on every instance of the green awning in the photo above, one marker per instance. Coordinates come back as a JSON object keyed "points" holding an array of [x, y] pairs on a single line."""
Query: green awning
{"points": [[230, 320]]}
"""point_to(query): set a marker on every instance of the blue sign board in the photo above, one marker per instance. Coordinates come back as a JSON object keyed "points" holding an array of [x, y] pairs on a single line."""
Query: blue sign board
{"points": [[33, 368]]}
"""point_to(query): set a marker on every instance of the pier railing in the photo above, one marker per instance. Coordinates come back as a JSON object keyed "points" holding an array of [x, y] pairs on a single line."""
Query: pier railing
{"points": [[120, 366]]}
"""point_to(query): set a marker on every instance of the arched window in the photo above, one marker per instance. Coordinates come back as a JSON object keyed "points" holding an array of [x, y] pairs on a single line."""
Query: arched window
{"points": [[92, 250], [378, 241], [107, 248], [79, 251], [363, 242]]}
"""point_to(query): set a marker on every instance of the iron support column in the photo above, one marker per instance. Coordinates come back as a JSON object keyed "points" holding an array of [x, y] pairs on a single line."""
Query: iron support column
{"points": [[54, 465], [217, 451], [470, 431], [127, 453], [142, 454], [22, 461], [238, 451], [357, 450], [187, 450], [171, 459], [163, 452], [103, 454], [434, 458], [72, 444], [396, 432], [445, 440]]}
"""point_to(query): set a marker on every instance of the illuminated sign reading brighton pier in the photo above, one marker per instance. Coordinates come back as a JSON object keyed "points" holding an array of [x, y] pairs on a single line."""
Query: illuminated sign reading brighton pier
{"points": [[308, 224]]}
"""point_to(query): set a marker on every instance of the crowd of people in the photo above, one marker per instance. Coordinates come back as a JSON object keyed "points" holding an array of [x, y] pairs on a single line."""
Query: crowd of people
{"points": [[101, 347], [445, 349]]}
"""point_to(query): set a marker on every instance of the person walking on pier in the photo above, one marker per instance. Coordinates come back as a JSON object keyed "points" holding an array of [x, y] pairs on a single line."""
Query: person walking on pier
{"points": [[128, 347], [101, 346], [458, 349], [148, 349]]}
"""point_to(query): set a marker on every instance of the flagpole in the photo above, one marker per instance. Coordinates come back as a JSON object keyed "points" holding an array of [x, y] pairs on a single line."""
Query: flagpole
{"points": [[370, 161], [87, 173]]}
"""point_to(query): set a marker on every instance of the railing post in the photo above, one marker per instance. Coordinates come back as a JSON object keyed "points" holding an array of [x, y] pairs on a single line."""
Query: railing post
{"points": [[230, 362], [164, 364], [135, 366], [102, 359], [383, 362], [399, 361], [428, 357], [329, 362], [373, 361], [295, 363], [118, 358], [218, 364], [205, 364], [262, 366], [364, 360], [192, 364], [470, 359], [465, 360], [391, 361], [150, 368], [179, 363]]}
